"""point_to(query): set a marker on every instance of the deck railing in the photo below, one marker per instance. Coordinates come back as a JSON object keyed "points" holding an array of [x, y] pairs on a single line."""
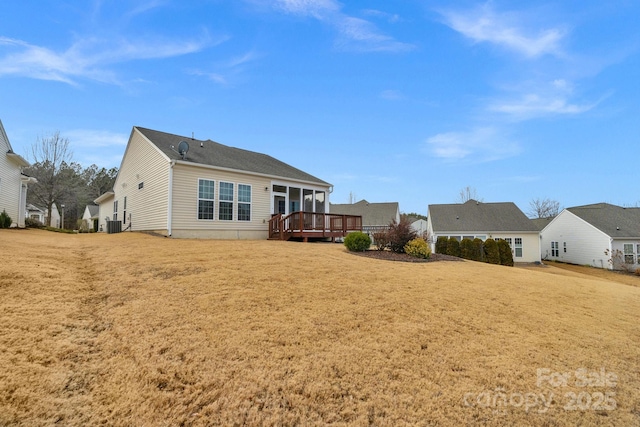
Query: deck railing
{"points": [[312, 225]]}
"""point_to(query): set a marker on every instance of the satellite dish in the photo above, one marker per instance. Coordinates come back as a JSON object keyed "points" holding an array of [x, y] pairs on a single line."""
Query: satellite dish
{"points": [[183, 148]]}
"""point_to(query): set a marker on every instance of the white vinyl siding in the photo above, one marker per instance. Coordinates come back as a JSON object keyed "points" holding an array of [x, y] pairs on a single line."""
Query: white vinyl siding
{"points": [[10, 183], [585, 244]]}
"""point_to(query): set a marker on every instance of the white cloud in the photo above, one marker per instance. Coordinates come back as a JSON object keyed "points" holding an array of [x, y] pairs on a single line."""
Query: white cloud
{"points": [[362, 35], [537, 99], [355, 34], [226, 71], [88, 58], [478, 145], [316, 8], [483, 24], [535, 105]]}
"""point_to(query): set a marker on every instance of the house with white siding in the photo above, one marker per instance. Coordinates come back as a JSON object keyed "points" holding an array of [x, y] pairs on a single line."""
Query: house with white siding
{"points": [[183, 187], [497, 221], [13, 183], [91, 216], [600, 235]]}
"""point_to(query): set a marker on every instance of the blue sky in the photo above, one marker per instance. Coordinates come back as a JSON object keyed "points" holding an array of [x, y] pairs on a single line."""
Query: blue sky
{"points": [[407, 101]]}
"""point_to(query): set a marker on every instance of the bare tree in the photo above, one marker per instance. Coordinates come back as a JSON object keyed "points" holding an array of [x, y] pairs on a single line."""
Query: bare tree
{"points": [[543, 208], [51, 155], [468, 193]]}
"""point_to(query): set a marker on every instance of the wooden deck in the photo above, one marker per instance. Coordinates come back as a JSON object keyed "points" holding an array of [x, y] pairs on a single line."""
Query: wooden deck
{"points": [[311, 225]]}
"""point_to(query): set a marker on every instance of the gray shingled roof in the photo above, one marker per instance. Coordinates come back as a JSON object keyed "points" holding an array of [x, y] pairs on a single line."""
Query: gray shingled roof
{"points": [[615, 221], [93, 210], [479, 217], [215, 154], [380, 214], [541, 223]]}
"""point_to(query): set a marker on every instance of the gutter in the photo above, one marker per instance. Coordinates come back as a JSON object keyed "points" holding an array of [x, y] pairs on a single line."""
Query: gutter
{"points": [[170, 197]]}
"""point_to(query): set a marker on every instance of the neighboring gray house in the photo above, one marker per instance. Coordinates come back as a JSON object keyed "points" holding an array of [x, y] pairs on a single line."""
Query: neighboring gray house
{"points": [[375, 216], [13, 183], [486, 220], [582, 234], [182, 187]]}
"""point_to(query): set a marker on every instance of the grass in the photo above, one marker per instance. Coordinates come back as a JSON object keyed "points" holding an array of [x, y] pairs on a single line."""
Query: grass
{"points": [[129, 329]]}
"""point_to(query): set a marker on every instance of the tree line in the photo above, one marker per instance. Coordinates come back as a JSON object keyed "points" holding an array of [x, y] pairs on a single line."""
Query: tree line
{"points": [[63, 181]]}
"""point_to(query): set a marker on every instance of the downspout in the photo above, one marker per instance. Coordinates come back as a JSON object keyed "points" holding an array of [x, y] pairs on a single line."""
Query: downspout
{"points": [[170, 204]]}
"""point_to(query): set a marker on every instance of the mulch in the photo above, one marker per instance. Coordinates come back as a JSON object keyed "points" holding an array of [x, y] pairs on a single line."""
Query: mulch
{"points": [[393, 256]]}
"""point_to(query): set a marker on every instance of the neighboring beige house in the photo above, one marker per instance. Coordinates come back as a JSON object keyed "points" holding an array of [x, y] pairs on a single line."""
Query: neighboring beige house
{"points": [[375, 216], [91, 217], [13, 183], [582, 234], [486, 220], [182, 187]]}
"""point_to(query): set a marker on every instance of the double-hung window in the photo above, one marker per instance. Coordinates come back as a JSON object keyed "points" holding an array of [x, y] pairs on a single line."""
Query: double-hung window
{"points": [[518, 247], [555, 249], [225, 209], [206, 191], [115, 210], [244, 202], [628, 254]]}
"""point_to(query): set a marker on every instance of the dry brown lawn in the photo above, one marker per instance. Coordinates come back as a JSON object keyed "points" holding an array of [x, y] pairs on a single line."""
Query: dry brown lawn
{"points": [[133, 330]]}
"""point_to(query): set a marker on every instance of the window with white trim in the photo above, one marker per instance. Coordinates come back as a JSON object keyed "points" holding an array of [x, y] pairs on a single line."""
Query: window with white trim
{"points": [[518, 247], [628, 254], [244, 202], [225, 201], [206, 192], [555, 249], [115, 210]]}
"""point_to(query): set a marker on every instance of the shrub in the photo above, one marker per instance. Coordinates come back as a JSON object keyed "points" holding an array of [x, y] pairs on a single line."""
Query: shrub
{"points": [[441, 244], [637, 272], [466, 249], [357, 241], [506, 257], [418, 248], [5, 220], [453, 247], [491, 252], [478, 250], [400, 233], [381, 239], [33, 223]]}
